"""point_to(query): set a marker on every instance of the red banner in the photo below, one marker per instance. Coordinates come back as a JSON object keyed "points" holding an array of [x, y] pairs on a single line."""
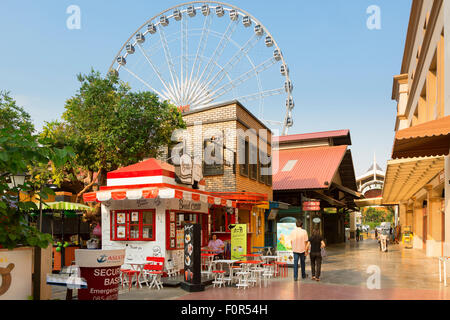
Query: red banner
{"points": [[101, 269]]}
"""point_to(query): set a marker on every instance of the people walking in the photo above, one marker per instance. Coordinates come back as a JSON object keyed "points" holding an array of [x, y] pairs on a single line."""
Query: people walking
{"points": [[299, 240], [314, 249], [357, 234]]}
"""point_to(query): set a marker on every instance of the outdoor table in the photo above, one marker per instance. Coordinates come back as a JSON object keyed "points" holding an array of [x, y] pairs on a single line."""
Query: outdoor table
{"points": [[208, 259], [269, 249], [251, 255], [229, 262], [267, 258], [139, 267]]}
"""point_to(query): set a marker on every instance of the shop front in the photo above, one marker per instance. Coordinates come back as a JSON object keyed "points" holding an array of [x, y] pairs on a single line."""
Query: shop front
{"points": [[249, 210], [144, 211]]}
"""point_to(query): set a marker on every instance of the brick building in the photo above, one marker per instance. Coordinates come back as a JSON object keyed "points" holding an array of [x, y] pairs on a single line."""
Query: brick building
{"points": [[229, 132]]}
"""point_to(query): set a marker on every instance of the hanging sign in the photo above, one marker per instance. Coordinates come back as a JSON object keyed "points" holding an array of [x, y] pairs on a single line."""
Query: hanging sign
{"points": [[238, 241], [311, 206]]}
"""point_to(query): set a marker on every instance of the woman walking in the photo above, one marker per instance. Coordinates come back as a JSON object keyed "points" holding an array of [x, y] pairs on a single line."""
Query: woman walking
{"points": [[315, 243]]}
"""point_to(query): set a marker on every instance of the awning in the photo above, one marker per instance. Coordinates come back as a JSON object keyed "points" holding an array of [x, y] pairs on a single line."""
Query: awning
{"points": [[330, 200], [347, 190], [65, 206], [431, 138], [405, 177], [154, 192], [369, 202]]}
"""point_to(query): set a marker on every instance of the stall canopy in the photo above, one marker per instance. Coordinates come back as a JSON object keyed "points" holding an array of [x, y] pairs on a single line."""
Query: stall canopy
{"points": [[151, 179], [431, 138], [65, 206]]}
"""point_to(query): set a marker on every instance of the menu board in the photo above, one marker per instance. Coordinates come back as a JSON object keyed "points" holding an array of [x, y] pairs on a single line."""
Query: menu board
{"points": [[180, 239], [238, 241], [171, 233], [284, 246], [192, 262]]}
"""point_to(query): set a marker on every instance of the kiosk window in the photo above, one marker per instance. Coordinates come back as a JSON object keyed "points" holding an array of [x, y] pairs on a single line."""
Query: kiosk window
{"points": [[133, 225]]}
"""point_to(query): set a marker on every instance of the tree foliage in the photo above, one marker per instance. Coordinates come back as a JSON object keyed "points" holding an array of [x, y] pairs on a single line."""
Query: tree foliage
{"points": [[21, 151], [109, 126]]}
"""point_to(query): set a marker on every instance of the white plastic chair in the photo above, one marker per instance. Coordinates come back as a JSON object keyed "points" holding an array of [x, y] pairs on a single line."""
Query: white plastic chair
{"points": [[443, 260]]}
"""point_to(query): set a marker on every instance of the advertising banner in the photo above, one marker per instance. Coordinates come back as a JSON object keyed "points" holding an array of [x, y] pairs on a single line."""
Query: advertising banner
{"points": [[192, 249], [284, 247], [238, 241], [101, 269]]}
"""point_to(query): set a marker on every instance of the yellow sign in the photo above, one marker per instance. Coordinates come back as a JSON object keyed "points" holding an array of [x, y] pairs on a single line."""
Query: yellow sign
{"points": [[238, 241], [264, 205]]}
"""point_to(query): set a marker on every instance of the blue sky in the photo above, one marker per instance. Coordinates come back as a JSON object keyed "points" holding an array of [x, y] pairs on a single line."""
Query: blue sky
{"points": [[341, 70]]}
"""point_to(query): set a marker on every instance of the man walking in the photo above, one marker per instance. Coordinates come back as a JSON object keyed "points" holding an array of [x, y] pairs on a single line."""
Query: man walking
{"points": [[299, 239]]}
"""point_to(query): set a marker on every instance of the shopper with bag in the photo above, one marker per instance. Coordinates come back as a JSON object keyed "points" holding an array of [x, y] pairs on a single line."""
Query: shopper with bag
{"points": [[317, 247]]}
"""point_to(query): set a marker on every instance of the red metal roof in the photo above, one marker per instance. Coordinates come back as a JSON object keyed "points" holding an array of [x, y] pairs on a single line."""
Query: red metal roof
{"points": [[311, 136], [150, 167], [313, 168]]}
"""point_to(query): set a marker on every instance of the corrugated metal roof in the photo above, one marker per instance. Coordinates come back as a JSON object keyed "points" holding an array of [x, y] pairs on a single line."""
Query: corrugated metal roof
{"points": [[311, 136], [314, 167]]}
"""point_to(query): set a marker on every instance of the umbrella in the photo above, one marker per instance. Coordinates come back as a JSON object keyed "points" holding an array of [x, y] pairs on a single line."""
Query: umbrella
{"points": [[65, 206]]}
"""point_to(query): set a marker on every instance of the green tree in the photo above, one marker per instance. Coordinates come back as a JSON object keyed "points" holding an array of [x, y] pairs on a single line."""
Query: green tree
{"points": [[21, 150], [109, 126]]}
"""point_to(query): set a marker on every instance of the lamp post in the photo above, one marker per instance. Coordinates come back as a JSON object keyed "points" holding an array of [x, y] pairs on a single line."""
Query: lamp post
{"points": [[38, 251]]}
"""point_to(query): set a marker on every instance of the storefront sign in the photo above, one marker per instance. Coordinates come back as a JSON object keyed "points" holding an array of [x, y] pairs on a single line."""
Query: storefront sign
{"points": [[189, 205], [311, 206], [15, 274], [192, 249], [101, 269], [238, 241]]}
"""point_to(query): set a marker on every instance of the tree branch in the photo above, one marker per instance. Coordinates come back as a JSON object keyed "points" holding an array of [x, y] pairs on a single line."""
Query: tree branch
{"points": [[89, 185]]}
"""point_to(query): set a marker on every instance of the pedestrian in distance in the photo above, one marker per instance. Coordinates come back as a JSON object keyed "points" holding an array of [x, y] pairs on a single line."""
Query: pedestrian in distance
{"points": [[299, 239], [314, 249], [357, 234]]}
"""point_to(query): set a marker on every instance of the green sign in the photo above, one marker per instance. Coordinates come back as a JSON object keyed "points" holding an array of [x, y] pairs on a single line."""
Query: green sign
{"points": [[238, 241]]}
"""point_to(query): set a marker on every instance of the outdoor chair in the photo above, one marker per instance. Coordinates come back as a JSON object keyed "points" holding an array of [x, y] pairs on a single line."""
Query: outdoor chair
{"points": [[127, 275], [218, 278], [154, 271]]}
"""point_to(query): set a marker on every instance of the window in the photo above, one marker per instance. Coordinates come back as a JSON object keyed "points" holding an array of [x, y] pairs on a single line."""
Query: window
{"points": [[213, 165], [133, 225], [243, 167], [253, 163]]}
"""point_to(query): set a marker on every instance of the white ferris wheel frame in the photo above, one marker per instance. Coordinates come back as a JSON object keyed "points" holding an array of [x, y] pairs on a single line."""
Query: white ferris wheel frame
{"points": [[195, 91]]}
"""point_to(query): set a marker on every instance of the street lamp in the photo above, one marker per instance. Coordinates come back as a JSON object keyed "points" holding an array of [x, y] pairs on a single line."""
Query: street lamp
{"points": [[16, 180], [38, 252]]}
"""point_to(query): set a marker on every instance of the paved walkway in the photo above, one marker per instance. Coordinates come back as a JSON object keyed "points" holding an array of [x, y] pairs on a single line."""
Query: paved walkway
{"points": [[405, 274]]}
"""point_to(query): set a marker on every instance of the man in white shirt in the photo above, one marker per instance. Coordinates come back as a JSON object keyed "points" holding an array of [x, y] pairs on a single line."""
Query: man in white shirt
{"points": [[299, 239]]}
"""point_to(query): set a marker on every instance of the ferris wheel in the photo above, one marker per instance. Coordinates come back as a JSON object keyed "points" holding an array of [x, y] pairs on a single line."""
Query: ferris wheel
{"points": [[204, 53]]}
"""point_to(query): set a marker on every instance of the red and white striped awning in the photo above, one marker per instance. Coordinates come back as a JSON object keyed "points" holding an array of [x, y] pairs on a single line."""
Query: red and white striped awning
{"points": [[150, 179], [154, 192]]}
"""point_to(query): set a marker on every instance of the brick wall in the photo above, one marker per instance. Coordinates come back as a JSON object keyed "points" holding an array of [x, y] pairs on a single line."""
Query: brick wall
{"points": [[227, 118]]}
